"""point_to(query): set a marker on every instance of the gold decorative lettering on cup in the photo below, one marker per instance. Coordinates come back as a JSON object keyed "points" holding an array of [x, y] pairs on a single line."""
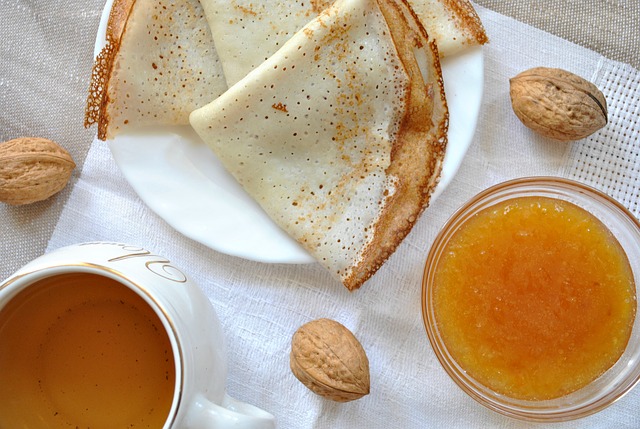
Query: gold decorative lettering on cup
{"points": [[154, 263]]}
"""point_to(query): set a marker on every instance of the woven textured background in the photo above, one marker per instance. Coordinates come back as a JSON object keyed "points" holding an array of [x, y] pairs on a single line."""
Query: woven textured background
{"points": [[46, 51], [610, 160], [609, 27]]}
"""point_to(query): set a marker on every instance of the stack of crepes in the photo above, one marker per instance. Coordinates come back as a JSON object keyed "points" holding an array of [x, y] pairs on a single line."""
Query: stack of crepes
{"points": [[332, 115]]}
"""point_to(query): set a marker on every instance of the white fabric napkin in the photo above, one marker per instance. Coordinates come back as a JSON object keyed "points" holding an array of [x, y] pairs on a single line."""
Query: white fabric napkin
{"points": [[261, 305]]}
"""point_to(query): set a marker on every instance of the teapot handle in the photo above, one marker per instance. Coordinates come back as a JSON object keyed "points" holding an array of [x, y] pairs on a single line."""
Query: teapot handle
{"points": [[232, 414]]}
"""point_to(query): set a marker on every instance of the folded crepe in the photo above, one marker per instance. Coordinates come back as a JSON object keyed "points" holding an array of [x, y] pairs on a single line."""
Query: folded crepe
{"points": [[247, 32], [454, 24], [340, 135], [159, 64]]}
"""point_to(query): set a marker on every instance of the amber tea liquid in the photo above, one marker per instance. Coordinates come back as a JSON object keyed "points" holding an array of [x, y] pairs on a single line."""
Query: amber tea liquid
{"points": [[82, 350]]}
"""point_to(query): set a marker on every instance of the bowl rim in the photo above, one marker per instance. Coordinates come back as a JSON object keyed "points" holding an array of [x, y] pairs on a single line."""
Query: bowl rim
{"points": [[473, 388]]}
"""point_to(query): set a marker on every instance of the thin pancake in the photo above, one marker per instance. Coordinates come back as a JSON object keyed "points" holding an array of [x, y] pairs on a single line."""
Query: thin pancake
{"points": [[247, 32], [159, 63], [340, 135], [454, 24]]}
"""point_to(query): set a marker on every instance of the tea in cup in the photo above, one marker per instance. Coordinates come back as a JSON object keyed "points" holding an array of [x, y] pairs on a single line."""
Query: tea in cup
{"points": [[106, 335]]}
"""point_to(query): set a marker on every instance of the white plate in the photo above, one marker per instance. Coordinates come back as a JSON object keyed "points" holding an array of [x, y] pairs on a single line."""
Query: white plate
{"points": [[183, 182]]}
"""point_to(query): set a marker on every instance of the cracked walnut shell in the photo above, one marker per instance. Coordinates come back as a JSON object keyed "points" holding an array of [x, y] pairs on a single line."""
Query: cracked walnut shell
{"points": [[558, 104], [328, 359], [32, 169]]}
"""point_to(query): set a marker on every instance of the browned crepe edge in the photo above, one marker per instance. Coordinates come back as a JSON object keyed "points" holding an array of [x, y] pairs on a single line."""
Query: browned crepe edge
{"points": [[98, 98], [418, 151], [467, 20]]}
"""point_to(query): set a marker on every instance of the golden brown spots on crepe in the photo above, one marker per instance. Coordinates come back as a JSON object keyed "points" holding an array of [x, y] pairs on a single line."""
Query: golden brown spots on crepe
{"points": [[245, 10], [360, 147], [281, 107], [159, 54], [318, 6]]}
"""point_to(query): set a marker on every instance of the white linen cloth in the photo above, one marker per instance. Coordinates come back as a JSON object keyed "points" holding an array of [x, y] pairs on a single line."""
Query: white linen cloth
{"points": [[261, 305]]}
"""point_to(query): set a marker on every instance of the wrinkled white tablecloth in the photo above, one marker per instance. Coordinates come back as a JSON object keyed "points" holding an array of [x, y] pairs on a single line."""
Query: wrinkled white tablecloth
{"points": [[261, 305]]}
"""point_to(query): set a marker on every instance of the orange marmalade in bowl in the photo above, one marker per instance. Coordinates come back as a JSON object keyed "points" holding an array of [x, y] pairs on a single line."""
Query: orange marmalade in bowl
{"points": [[530, 296], [534, 297]]}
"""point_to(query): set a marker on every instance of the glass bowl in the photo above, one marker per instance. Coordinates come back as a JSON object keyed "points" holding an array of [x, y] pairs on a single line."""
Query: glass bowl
{"points": [[601, 392]]}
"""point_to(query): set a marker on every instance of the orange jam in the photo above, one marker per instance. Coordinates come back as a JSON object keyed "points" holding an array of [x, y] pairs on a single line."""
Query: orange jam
{"points": [[534, 298]]}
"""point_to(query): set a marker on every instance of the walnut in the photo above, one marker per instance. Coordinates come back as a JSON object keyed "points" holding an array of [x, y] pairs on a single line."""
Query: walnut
{"points": [[328, 359], [32, 169], [558, 104]]}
